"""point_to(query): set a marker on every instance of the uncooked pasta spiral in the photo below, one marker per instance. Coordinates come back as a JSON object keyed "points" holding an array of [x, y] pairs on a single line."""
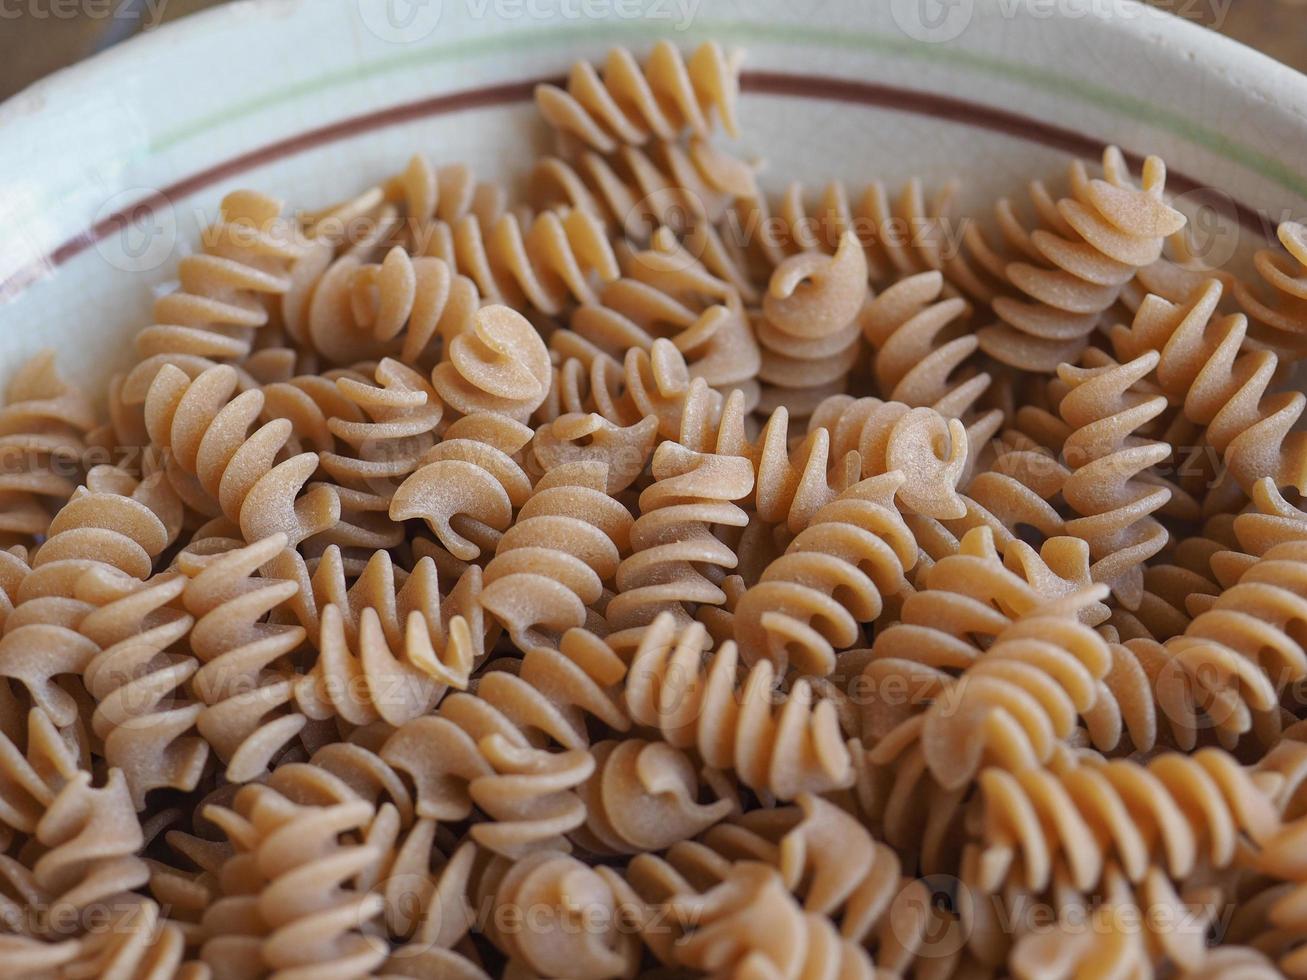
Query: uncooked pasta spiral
{"points": [[921, 353], [634, 188], [218, 467], [551, 567], [857, 547], [224, 292], [481, 748], [1236, 658], [1072, 270], [576, 929], [629, 104], [809, 330], [900, 234], [1275, 304], [1204, 369], [245, 684], [573, 437], [735, 724], [645, 796], [43, 425], [500, 365], [1016, 704], [144, 718], [470, 484], [138, 943], [535, 263], [750, 925], [35, 765], [1176, 811], [1106, 458], [674, 554], [304, 916], [89, 838]]}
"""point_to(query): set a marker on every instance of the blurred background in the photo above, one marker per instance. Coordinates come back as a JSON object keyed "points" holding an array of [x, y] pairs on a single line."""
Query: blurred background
{"points": [[40, 36]]}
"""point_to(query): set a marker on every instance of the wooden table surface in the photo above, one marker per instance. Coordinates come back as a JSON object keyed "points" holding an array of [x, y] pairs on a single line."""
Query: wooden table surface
{"points": [[32, 46]]}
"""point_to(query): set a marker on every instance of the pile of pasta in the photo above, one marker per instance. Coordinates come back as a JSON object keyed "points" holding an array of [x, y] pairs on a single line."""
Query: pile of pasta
{"points": [[566, 584]]}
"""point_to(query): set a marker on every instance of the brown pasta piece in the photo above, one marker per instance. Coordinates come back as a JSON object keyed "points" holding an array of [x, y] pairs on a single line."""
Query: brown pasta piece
{"points": [[142, 714], [735, 724], [675, 556], [1176, 811], [573, 437], [43, 425], [630, 104], [809, 329], [1204, 369], [35, 765], [551, 567], [857, 548], [1105, 458], [1070, 271], [500, 365]]}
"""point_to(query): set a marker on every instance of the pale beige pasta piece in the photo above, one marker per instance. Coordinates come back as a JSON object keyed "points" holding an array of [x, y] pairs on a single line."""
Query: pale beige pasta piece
{"points": [[245, 682], [646, 796], [675, 556], [551, 567], [219, 467], [1022, 485], [89, 838], [310, 401], [735, 724], [575, 932], [634, 189], [1236, 658], [481, 748], [43, 425], [1204, 369], [143, 714], [500, 365], [1071, 270], [833, 577], [750, 925], [1014, 706], [900, 234], [537, 263], [470, 485], [34, 766], [625, 451], [630, 104], [138, 943], [306, 916], [1177, 811], [1105, 457], [809, 329], [223, 295]]}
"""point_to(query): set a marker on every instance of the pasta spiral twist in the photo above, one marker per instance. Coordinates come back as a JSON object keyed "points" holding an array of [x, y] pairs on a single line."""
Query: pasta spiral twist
{"points": [[43, 424], [809, 331], [245, 686], [306, 916], [1276, 308], [1115, 508], [551, 567], [735, 724], [144, 720], [673, 550], [219, 468], [1234, 660], [1175, 811], [832, 577], [481, 747], [224, 293], [500, 365], [470, 484], [630, 105], [1096, 239], [35, 767], [1204, 369], [921, 356], [90, 838]]}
